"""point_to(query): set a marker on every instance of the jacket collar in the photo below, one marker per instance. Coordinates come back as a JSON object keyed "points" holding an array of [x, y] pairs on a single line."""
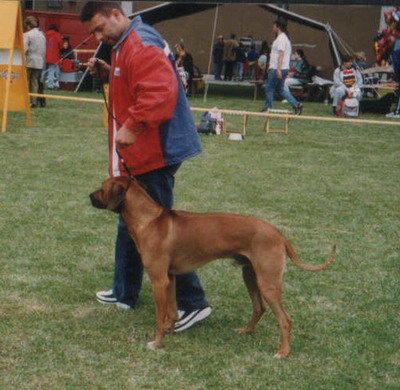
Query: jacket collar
{"points": [[135, 22]]}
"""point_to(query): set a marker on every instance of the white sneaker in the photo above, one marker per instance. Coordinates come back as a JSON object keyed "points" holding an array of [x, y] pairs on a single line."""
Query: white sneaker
{"points": [[188, 318], [124, 306], [107, 297], [393, 115]]}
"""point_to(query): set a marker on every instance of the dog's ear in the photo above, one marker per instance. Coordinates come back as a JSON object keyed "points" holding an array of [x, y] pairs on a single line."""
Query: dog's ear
{"points": [[116, 196]]}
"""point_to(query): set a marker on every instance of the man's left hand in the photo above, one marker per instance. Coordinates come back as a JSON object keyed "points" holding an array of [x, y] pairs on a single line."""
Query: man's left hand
{"points": [[124, 138]]}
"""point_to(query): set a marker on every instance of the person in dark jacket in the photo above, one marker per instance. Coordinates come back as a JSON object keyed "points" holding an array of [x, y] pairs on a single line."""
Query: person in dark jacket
{"points": [[240, 61], [218, 54], [67, 51], [301, 70]]}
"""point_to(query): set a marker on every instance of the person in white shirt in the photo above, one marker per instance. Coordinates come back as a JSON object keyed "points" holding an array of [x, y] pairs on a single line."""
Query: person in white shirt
{"points": [[347, 82], [279, 68], [35, 52]]}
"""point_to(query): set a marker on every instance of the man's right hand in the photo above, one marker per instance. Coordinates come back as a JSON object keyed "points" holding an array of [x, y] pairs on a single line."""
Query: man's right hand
{"points": [[98, 67], [124, 138]]}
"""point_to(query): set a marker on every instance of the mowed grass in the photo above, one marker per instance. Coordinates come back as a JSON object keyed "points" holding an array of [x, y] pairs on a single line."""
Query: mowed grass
{"points": [[321, 184]]}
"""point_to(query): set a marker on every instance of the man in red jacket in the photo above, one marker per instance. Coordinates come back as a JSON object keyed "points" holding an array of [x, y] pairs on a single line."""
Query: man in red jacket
{"points": [[151, 125], [54, 44]]}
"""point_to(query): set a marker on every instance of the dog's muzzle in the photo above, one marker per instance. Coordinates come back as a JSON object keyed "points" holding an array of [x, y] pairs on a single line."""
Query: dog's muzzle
{"points": [[95, 202]]}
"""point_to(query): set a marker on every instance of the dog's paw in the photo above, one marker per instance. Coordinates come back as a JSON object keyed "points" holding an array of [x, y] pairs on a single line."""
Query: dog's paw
{"points": [[280, 356], [153, 345]]}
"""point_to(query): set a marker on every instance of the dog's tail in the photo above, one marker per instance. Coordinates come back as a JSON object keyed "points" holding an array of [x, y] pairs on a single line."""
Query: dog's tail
{"points": [[292, 254]]}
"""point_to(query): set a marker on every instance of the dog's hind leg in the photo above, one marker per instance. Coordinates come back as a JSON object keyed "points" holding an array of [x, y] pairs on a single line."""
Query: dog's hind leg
{"points": [[272, 295], [270, 285], [250, 281]]}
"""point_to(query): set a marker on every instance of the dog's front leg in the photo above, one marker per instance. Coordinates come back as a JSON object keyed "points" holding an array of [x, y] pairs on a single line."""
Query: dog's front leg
{"points": [[172, 310], [160, 291]]}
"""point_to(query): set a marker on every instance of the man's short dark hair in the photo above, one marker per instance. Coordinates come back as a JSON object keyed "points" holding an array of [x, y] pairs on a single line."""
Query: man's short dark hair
{"points": [[91, 8]]}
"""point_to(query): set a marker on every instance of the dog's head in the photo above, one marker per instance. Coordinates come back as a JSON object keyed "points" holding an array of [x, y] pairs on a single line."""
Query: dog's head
{"points": [[111, 195]]}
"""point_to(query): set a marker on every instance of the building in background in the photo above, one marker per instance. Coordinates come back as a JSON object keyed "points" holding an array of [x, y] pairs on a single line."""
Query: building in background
{"points": [[355, 25]]}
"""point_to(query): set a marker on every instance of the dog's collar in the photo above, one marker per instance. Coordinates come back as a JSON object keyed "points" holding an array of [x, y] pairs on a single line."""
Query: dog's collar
{"points": [[131, 179], [118, 208]]}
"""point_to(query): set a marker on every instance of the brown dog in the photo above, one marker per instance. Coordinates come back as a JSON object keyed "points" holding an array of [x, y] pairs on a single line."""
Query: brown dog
{"points": [[176, 242]]}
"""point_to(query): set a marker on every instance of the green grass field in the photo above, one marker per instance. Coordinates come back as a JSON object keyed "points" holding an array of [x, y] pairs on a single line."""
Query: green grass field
{"points": [[323, 183]]}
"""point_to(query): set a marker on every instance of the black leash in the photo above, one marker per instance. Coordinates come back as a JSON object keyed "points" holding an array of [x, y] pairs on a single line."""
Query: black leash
{"points": [[131, 176], [104, 95]]}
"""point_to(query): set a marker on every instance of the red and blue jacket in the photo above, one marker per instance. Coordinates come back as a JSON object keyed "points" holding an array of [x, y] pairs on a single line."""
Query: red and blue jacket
{"points": [[147, 97]]}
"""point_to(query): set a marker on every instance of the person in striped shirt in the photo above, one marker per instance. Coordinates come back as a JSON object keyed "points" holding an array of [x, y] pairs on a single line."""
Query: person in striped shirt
{"points": [[347, 82]]}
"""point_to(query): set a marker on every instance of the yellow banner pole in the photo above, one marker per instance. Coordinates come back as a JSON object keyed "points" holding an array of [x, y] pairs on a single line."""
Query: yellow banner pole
{"points": [[13, 80], [8, 85], [24, 73]]}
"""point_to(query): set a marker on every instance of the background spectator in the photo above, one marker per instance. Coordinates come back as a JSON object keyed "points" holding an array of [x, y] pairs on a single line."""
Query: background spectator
{"points": [[396, 70], [301, 67], [67, 52], [279, 69], [35, 52], [263, 61], [54, 44], [265, 48], [240, 57], [229, 56], [218, 53], [68, 61], [252, 58], [185, 60], [347, 82], [361, 60]]}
